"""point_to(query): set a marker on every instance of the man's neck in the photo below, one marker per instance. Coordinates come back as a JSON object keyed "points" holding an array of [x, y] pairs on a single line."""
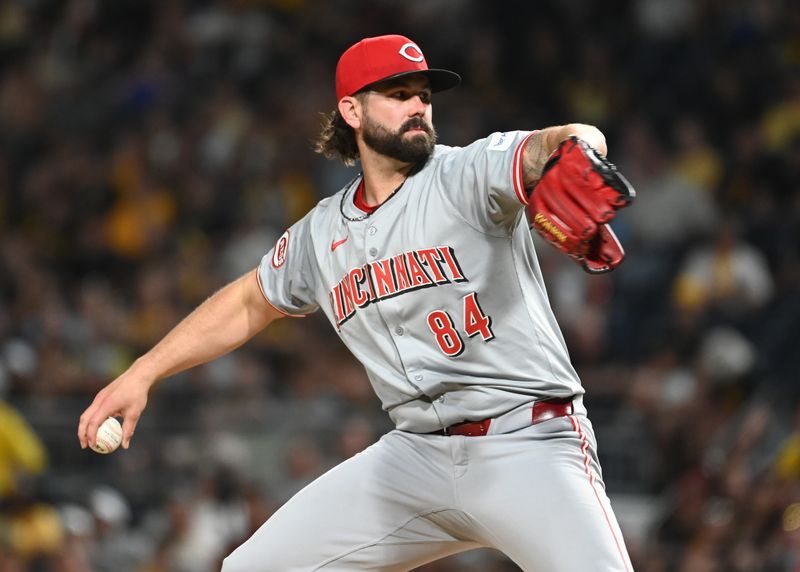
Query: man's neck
{"points": [[382, 176]]}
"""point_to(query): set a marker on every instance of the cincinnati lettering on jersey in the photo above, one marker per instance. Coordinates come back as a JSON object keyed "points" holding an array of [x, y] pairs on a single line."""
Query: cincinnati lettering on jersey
{"points": [[389, 277]]}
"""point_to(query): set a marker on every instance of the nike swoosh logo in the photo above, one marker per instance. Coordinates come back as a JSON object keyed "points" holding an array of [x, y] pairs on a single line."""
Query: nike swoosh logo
{"points": [[337, 243]]}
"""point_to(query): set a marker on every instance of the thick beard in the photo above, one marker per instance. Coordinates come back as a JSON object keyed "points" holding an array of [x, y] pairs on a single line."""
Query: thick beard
{"points": [[415, 151]]}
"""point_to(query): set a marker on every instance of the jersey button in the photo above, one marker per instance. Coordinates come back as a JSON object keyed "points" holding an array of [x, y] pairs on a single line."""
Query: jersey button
{"points": [[372, 230], [418, 377], [399, 330], [373, 252]]}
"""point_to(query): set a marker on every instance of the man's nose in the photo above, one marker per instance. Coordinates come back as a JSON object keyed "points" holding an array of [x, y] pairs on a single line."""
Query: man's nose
{"points": [[417, 107]]}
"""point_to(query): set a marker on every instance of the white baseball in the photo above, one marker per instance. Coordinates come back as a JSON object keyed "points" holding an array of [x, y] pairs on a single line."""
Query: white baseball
{"points": [[109, 436]]}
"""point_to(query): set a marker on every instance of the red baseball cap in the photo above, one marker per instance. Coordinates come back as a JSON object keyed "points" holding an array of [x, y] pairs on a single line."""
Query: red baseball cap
{"points": [[385, 57]]}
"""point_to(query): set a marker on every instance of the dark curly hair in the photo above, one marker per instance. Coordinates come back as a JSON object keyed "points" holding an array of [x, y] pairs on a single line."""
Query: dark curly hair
{"points": [[337, 140]]}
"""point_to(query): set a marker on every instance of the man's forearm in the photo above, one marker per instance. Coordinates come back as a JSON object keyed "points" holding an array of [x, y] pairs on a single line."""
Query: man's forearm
{"points": [[542, 144], [589, 133], [222, 323]]}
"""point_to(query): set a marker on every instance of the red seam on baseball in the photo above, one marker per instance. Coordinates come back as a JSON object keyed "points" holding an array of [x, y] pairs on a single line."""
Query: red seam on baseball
{"points": [[105, 443]]}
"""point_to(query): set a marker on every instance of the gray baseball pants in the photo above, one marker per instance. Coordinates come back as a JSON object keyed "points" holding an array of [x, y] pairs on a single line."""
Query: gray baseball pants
{"points": [[535, 494]]}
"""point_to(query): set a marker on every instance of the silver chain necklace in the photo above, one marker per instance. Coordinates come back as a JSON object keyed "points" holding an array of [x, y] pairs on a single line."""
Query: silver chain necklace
{"points": [[366, 215]]}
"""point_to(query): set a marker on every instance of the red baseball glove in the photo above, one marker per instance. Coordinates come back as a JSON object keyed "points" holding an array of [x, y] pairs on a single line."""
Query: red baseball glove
{"points": [[578, 194]]}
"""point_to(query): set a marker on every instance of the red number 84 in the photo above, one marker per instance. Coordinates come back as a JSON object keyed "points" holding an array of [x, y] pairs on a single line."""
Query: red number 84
{"points": [[475, 322]]}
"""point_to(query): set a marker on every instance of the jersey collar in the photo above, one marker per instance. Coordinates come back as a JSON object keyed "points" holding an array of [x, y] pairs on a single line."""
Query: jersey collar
{"points": [[358, 199]]}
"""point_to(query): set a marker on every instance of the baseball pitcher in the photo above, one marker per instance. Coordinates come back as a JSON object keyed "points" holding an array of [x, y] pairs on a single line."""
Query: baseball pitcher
{"points": [[425, 267]]}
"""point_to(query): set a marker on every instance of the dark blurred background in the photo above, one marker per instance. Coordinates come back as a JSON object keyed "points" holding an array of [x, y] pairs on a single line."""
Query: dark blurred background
{"points": [[152, 151]]}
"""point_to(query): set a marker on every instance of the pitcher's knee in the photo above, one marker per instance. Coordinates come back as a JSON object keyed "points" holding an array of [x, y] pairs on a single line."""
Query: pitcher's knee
{"points": [[239, 561], [234, 563]]}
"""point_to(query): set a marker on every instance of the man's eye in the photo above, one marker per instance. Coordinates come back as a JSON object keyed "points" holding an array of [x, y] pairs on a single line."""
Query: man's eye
{"points": [[402, 95]]}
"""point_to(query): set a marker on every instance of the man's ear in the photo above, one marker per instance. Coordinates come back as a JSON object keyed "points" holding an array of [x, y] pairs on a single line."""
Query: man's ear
{"points": [[350, 109]]}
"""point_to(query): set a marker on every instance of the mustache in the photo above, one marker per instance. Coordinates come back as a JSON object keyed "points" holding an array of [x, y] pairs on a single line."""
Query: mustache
{"points": [[416, 123]]}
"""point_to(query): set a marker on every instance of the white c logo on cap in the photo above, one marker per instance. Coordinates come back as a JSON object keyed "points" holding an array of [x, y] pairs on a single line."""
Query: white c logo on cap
{"points": [[406, 55]]}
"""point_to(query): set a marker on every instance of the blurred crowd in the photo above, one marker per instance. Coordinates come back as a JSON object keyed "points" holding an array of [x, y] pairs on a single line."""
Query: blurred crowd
{"points": [[152, 151]]}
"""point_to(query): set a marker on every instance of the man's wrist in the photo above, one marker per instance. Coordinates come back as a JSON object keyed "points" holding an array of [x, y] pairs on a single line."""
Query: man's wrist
{"points": [[144, 371], [588, 133]]}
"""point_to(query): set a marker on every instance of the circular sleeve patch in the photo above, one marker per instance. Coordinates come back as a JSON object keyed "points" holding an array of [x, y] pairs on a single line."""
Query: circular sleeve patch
{"points": [[279, 252]]}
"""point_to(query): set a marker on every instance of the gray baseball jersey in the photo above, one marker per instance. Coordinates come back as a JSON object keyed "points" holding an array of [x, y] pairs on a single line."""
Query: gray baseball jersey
{"points": [[438, 293]]}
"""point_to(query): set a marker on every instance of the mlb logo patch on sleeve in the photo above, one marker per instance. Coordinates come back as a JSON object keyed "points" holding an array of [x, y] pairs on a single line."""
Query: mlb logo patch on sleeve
{"points": [[500, 142]]}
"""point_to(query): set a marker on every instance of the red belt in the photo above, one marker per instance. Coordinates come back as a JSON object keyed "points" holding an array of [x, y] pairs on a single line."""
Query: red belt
{"points": [[541, 411]]}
